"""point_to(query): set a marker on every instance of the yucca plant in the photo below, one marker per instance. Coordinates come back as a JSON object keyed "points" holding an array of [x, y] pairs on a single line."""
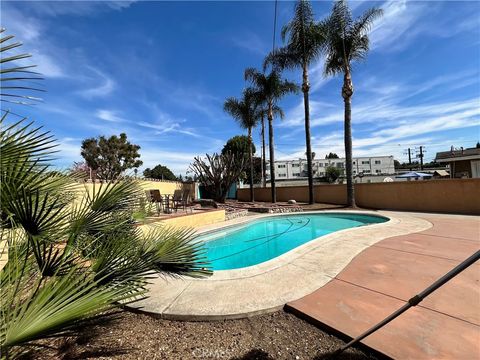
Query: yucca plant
{"points": [[72, 253]]}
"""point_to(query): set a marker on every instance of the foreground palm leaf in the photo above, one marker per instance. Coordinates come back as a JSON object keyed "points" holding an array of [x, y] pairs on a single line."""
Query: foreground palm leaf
{"points": [[72, 254], [13, 88]]}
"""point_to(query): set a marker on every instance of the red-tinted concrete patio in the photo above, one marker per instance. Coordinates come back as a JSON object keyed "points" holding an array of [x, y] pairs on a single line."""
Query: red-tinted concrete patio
{"points": [[383, 277]]}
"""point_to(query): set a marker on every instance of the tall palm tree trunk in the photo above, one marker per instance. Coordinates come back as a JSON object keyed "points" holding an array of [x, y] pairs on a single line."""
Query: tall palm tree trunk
{"points": [[252, 195], [264, 158], [305, 89], [347, 92], [272, 155]]}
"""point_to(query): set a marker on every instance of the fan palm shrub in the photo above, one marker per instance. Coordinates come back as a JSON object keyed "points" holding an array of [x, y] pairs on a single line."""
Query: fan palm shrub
{"points": [[305, 43], [270, 88], [347, 41], [72, 253]]}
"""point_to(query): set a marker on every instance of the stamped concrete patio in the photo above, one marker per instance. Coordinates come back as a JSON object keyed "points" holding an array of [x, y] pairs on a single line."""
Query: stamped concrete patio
{"points": [[383, 277]]}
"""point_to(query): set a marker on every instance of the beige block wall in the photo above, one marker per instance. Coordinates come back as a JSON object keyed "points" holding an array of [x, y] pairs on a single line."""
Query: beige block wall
{"points": [[447, 195]]}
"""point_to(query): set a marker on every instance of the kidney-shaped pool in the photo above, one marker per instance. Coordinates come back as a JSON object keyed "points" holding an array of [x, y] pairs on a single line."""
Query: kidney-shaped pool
{"points": [[263, 239]]}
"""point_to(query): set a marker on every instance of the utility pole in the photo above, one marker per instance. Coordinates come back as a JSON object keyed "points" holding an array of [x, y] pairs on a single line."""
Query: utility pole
{"points": [[420, 155], [409, 158]]}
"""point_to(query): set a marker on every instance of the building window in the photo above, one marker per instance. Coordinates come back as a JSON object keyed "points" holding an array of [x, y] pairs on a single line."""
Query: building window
{"points": [[282, 175], [378, 171], [366, 171], [378, 162], [296, 174], [295, 165], [281, 166], [365, 162], [340, 165], [320, 164], [354, 163]]}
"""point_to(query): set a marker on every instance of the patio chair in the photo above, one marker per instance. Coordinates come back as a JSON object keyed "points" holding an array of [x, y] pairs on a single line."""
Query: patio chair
{"points": [[180, 198], [155, 197]]}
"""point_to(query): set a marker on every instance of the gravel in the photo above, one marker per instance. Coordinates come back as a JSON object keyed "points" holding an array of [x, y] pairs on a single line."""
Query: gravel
{"points": [[279, 335]]}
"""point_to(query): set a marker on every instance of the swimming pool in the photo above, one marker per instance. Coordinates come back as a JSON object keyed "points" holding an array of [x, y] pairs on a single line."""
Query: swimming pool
{"points": [[263, 239]]}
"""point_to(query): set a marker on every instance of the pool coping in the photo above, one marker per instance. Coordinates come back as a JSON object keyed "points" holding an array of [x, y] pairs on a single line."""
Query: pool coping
{"points": [[266, 287]]}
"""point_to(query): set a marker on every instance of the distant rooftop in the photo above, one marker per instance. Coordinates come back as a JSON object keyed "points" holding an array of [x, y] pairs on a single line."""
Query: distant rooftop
{"points": [[462, 154]]}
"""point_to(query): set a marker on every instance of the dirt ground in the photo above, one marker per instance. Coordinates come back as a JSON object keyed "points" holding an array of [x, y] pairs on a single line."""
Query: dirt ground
{"points": [[279, 335]]}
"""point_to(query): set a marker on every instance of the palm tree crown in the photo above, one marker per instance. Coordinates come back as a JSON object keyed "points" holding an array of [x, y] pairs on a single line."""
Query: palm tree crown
{"points": [[271, 87], [244, 110], [347, 38], [305, 40]]}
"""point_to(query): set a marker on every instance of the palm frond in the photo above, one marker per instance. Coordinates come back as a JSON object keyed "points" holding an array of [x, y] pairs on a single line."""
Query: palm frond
{"points": [[13, 86], [347, 39]]}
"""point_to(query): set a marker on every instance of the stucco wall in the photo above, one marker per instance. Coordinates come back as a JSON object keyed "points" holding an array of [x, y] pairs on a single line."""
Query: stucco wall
{"points": [[447, 195], [165, 187]]}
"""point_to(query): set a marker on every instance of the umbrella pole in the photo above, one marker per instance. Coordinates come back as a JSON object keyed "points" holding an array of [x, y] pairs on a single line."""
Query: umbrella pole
{"points": [[414, 300]]}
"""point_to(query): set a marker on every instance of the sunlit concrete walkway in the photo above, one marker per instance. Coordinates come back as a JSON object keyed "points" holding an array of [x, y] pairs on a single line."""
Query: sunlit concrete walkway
{"points": [[384, 276]]}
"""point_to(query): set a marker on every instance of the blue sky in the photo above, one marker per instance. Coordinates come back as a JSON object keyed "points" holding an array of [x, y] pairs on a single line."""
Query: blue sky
{"points": [[160, 71]]}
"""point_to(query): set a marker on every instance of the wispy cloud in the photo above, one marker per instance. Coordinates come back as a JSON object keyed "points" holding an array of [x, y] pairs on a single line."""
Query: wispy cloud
{"points": [[251, 42], [108, 115], [82, 8], [404, 21], [104, 85]]}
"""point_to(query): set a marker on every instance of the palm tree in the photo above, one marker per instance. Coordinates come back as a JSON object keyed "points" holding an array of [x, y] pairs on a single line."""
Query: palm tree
{"points": [[305, 43], [277, 111], [270, 89], [347, 41], [246, 112]]}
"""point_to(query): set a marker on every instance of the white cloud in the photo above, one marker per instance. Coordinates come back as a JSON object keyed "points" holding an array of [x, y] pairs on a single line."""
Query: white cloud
{"points": [[29, 30], [108, 115], [251, 42], [104, 85]]}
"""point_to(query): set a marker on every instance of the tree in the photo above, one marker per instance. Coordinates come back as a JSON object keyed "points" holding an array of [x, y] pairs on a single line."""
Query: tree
{"points": [[347, 41], [270, 89], [305, 43], [239, 145], [331, 156], [332, 174], [246, 112], [159, 172], [218, 172], [109, 158]]}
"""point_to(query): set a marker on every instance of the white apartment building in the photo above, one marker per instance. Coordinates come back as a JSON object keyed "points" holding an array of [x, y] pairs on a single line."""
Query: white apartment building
{"points": [[297, 169]]}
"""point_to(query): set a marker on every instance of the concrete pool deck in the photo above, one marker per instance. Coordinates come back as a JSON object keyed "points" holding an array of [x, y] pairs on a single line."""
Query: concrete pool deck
{"points": [[269, 286], [446, 325]]}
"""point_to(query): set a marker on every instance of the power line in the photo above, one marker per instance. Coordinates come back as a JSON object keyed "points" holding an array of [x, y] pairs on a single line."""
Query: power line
{"points": [[274, 26]]}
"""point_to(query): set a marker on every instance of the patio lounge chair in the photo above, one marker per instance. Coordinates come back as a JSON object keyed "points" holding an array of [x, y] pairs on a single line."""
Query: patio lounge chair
{"points": [[155, 197], [180, 198]]}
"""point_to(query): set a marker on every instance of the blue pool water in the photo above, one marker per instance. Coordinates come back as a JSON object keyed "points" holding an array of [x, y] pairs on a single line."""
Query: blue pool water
{"points": [[264, 239]]}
